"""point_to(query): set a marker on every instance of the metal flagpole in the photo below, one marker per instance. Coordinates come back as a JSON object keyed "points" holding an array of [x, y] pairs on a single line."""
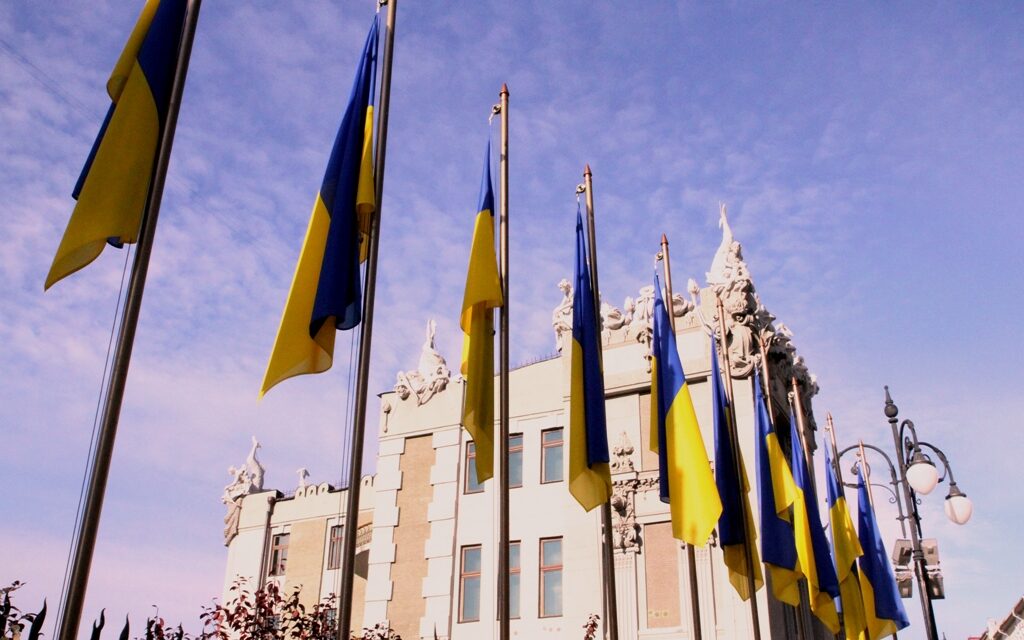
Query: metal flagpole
{"points": [[86, 540], [503, 422], [734, 438], [801, 426], [351, 524], [611, 623], [691, 556]]}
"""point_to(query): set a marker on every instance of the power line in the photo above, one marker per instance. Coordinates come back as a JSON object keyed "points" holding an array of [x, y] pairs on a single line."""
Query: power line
{"points": [[45, 80]]}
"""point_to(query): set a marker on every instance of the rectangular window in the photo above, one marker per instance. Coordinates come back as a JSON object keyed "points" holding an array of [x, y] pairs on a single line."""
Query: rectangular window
{"points": [[278, 554], [334, 548], [469, 585], [513, 579], [550, 577], [551, 456], [472, 486], [515, 460]]}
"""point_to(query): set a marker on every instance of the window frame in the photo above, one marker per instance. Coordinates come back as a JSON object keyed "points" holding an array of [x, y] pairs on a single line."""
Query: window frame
{"points": [[517, 571], [471, 456], [334, 553], [544, 446], [279, 563], [463, 574], [519, 448], [545, 569]]}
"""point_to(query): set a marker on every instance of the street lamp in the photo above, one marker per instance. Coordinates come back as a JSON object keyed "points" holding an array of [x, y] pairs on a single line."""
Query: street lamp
{"points": [[916, 473]]}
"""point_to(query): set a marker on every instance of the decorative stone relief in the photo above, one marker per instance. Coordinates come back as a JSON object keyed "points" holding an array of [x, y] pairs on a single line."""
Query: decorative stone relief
{"points": [[632, 322], [430, 378], [245, 479], [622, 455], [625, 530]]}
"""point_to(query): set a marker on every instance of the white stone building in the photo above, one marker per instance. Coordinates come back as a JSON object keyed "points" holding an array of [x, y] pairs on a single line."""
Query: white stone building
{"points": [[431, 560]]}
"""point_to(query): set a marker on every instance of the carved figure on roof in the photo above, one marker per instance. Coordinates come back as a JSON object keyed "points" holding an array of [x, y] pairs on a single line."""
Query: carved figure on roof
{"points": [[611, 317], [561, 317], [245, 479], [253, 466], [432, 376]]}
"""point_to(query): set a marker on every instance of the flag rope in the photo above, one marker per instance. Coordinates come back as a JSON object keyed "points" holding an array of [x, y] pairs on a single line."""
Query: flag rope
{"points": [[100, 396]]}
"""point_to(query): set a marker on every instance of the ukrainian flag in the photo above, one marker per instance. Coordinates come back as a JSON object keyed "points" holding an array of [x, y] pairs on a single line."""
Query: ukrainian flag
{"points": [[325, 293], [847, 549], [590, 480], [483, 295], [114, 185], [883, 608], [684, 471], [811, 544], [777, 492], [734, 492]]}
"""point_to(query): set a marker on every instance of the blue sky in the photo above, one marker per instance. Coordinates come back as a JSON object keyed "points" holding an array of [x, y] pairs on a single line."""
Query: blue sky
{"points": [[870, 155]]}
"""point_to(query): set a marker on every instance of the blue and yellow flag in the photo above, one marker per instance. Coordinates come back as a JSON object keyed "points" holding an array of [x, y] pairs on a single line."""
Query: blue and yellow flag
{"points": [[777, 492], [684, 471], [325, 293], [114, 185], [482, 296], [811, 543], [735, 494], [846, 548], [882, 605], [590, 480]]}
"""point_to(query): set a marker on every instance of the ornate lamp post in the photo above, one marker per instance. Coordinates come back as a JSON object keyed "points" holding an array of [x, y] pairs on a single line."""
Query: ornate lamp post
{"points": [[915, 473]]}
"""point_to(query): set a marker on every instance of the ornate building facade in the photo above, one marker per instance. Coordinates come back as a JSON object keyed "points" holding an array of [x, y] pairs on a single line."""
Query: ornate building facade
{"points": [[428, 551]]}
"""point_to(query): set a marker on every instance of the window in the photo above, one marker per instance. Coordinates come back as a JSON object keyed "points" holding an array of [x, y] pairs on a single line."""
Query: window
{"points": [[472, 486], [551, 456], [515, 460], [278, 554], [550, 577], [469, 585], [513, 580], [334, 548]]}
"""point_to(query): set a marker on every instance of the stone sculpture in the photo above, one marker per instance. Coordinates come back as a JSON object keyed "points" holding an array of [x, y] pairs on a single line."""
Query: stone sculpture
{"points": [[430, 378], [622, 453], [245, 479], [561, 317]]}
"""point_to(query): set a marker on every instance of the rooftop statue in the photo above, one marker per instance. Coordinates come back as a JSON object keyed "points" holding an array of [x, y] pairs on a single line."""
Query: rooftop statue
{"points": [[245, 479], [432, 376]]}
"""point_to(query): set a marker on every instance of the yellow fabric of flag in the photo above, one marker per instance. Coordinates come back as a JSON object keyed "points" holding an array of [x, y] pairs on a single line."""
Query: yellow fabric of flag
{"points": [[684, 471]]}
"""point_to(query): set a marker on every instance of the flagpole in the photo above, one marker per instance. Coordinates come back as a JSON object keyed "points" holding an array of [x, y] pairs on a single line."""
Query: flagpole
{"points": [[503, 400], [351, 523], [865, 472], [611, 623], [71, 612], [691, 555], [734, 441], [798, 411], [830, 427]]}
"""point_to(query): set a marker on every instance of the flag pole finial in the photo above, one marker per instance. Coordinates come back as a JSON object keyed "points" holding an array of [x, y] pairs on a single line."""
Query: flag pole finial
{"points": [[586, 170], [504, 89]]}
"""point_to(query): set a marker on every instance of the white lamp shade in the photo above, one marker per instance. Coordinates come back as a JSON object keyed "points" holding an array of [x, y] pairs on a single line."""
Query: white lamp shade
{"points": [[959, 508], [923, 476]]}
